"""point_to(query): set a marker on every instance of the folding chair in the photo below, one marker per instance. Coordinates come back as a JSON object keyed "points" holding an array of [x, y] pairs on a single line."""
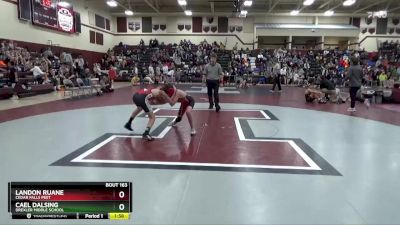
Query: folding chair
{"points": [[86, 90], [70, 88], [96, 86]]}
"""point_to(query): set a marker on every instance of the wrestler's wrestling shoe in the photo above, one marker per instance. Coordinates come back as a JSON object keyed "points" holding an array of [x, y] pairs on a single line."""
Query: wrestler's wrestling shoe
{"points": [[128, 126], [147, 136], [172, 123]]}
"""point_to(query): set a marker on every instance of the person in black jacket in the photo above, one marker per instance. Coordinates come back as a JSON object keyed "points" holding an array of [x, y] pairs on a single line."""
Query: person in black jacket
{"points": [[328, 88]]}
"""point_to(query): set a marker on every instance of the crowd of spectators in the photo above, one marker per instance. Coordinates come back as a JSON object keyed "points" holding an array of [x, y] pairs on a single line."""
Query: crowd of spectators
{"points": [[159, 62], [325, 68], [17, 59], [390, 51], [44, 67]]}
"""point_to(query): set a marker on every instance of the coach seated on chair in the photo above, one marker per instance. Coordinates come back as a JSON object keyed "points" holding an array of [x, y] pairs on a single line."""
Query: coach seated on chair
{"points": [[328, 88]]}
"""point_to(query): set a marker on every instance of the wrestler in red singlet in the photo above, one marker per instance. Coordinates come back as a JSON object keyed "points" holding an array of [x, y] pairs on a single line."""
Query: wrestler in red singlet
{"points": [[142, 99]]}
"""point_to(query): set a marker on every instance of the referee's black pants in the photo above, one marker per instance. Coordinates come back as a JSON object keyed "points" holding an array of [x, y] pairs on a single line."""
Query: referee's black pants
{"points": [[213, 86], [277, 81]]}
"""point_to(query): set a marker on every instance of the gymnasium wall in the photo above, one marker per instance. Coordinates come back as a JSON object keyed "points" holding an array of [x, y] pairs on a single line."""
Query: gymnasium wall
{"points": [[302, 19], [285, 19], [15, 29], [179, 28], [302, 36], [333, 20], [240, 31], [307, 32], [244, 38], [369, 38], [334, 40], [196, 39]]}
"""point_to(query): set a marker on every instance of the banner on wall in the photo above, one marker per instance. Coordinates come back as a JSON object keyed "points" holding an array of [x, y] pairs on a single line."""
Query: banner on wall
{"points": [[134, 26], [235, 25], [55, 14], [65, 19], [159, 24]]}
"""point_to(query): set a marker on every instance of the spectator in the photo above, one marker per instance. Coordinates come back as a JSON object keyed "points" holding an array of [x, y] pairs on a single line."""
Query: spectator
{"points": [[398, 74], [85, 76], [77, 68], [68, 59], [38, 74], [328, 88], [151, 71], [382, 78], [296, 77], [164, 72], [178, 75], [135, 70], [12, 74], [96, 70], [355, 75], [135, 80], [48, 53], [158, 74], [80, 62], [112, 74]]}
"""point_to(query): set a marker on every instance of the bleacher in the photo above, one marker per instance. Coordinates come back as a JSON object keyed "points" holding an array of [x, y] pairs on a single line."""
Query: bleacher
{"points": [[315, 68], [391, 50], [224, 58], [6, 92], [25, 86]]}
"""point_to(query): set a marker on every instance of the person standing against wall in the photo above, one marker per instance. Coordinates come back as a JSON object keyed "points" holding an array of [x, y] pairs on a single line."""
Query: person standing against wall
{"points": [[213, 75], [355, 75]]}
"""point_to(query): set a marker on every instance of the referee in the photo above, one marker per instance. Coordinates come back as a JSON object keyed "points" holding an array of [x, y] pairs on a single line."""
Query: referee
{"points": [[213, 75]]}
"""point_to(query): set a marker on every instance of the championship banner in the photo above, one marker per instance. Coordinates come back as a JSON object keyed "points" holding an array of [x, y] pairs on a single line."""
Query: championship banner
{"points": [[65, 18]]}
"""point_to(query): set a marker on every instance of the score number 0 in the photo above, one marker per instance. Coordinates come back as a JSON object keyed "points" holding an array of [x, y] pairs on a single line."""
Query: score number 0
{"points": [[121, 195]]}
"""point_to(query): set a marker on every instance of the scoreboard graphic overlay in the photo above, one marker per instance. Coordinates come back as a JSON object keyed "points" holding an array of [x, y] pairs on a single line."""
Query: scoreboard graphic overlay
{"points": [[70, 200]]}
